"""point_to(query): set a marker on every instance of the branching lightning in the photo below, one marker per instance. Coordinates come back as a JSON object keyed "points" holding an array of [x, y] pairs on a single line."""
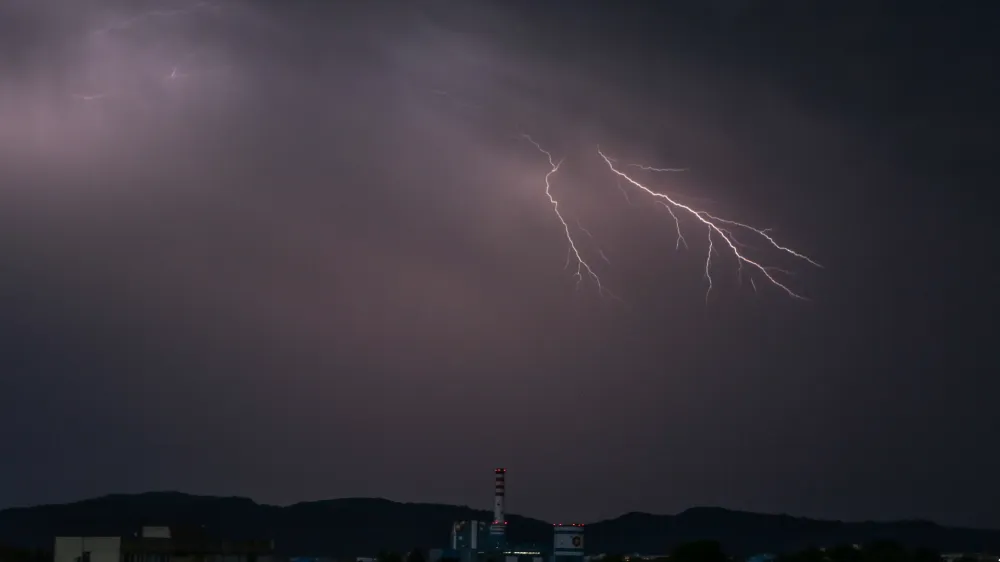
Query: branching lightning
{"points": [[652, 169], [128, 23], [677, 221], [600, 252], [718, 228], [721, 232], [108, 35], [582, 267]]}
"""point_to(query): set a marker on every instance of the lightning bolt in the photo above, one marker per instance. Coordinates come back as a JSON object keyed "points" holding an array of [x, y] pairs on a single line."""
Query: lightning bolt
{"points": [[130, 22], [652, 169], [600, 252], [582, 267], [90, 97], [677, 221], [718, 229]]}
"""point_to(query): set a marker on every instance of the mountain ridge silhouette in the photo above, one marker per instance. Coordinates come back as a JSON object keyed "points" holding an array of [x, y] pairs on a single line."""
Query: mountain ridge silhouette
{"points": [[364, 526]]}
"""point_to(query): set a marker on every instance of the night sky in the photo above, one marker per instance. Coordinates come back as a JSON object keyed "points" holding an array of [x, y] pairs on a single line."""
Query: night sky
{"points": [[297, 250]]}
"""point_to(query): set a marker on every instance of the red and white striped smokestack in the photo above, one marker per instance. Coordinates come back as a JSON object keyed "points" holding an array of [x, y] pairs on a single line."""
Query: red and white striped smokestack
{"points": [[498, 515]]}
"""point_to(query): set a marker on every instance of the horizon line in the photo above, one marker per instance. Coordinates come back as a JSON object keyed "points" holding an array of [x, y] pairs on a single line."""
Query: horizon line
{"points": [[911, 521]]}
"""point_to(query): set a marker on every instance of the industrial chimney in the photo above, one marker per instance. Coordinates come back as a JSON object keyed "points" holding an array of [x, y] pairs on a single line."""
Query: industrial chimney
{"points": [[498, 514], [498, 530]]}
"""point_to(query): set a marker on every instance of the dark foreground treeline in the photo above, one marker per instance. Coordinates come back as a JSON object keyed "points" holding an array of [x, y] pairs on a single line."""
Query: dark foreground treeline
{"points": [[712, 551], [879, 551], [12, 554], [697, 551]]}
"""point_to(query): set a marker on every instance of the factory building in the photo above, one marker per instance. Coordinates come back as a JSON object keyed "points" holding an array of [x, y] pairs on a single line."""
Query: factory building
{"points": [[468, 539], [567, 545], [474, 540], [482, 541], [87, 549]]}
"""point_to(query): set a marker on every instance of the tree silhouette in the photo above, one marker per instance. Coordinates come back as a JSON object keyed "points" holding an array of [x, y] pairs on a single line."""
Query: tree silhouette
{"points": [[844, 553], [388, 556], [810, 554], [884, 551], [878, 551], [699, 551], [925, 555]]}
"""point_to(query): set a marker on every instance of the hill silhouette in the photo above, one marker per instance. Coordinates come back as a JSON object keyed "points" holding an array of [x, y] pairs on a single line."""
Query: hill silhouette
{"points": [[364, 526]]}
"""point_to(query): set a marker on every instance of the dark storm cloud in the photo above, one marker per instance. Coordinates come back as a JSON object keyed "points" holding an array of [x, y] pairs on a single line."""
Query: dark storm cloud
{"points": [[303, 220], [384, 166], [281, 237]]}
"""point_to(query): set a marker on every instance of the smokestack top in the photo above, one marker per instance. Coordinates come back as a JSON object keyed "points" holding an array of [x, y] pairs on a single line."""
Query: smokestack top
{"points": [[500, 471]]}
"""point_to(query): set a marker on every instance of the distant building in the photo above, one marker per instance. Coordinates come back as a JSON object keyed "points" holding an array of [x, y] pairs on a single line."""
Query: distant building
{"points": [[470, 535], [487, 541], [87, 549], [162, 544], [567, 543]]}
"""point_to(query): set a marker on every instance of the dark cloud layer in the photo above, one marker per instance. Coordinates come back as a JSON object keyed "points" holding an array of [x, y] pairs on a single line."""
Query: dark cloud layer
{"points": [[297, 250]]}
